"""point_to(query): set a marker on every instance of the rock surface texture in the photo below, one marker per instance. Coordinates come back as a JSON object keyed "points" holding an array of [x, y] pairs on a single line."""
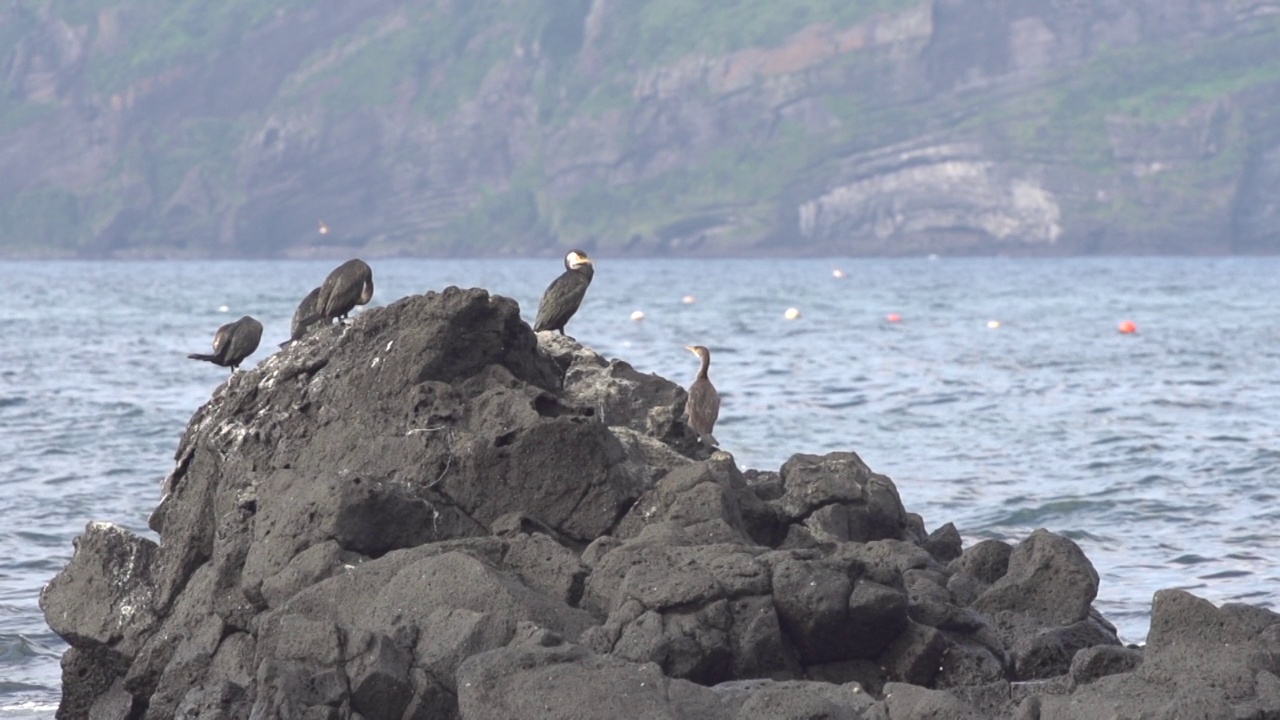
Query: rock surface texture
{"points": [[435, 513]]}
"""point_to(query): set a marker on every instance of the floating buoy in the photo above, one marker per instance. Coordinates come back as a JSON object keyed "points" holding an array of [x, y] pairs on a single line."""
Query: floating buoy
{"points": [[324, 227], [688, 299], [893, 318], [1127, 327], [223, 308], [993, 324], [838, 274], [791, 313], [637, 316]]}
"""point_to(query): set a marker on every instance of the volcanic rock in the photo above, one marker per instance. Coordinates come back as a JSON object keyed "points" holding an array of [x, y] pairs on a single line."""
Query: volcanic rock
{"points": [[435, 513]]}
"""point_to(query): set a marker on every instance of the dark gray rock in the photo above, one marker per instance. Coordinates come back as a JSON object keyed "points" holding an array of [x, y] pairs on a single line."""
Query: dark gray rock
{"points": [[536, 676], [1099, 661], [620, 396], [1223, 648], [967, 663], [1049, 652], [104, 598], [793, 700], [837, 497], [877, 614], [378, 669], [546, 565], [915, 655], [701, 612], [909, 702], [986, 561], [709, 500], [944, 543], [886, 561], [1048, 579]]}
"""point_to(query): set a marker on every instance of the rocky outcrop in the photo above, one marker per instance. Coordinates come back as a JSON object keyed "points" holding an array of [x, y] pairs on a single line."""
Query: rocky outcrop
{"points": [[435, 513]]}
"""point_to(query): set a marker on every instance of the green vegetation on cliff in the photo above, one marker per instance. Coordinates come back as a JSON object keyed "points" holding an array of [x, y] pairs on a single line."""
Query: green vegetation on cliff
{"points": [[496, 125]]}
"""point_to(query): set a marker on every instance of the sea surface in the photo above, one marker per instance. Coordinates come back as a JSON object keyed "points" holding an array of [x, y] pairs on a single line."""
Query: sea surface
{"points": [[1003, 400]]}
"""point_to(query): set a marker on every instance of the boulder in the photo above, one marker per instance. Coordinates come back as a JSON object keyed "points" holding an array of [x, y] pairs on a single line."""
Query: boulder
{"points": [[1048, 579], [540, 676]]}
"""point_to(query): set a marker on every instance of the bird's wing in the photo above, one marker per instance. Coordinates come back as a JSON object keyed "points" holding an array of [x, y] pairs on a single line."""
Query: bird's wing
{"points": [[221, 338]]}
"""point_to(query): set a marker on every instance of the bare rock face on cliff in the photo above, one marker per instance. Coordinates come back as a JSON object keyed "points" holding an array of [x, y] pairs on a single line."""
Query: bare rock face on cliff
{"points": [[435, 513]]}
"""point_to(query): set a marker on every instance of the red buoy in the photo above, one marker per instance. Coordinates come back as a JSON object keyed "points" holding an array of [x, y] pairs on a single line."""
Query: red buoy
{"points": [[1127, 327], [893, 317]]}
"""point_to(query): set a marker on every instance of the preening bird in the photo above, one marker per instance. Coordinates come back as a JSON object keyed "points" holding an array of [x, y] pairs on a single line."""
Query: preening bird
{"points": [[350, 284], [703, 405], [233, 343], [565, 293], [308, 308]]}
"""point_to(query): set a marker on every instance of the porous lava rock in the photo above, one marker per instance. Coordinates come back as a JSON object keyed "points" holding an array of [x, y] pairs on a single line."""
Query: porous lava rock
{"points": [[436, 513]]}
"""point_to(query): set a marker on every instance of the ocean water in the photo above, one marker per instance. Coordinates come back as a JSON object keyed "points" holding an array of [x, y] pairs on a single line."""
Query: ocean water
{"points": [[1158, 452]]}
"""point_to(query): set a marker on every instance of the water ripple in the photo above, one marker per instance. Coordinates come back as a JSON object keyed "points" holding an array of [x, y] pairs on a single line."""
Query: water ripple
{"points": [[1158, 453]]}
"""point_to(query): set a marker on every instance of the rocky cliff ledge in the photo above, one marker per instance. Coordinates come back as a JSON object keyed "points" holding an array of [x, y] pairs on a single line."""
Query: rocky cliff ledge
{"points": [[438, 514]]}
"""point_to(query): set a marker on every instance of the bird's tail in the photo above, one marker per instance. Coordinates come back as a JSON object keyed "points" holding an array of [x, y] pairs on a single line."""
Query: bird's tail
{"points": [[286, 343], [206, 358], [709, 440]]}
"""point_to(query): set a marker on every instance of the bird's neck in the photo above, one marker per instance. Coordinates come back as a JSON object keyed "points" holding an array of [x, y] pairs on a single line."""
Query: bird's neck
{"points": [[702, 371]]}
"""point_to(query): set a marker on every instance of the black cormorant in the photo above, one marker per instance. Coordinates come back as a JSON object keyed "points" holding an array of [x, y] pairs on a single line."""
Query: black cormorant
{"points": [[233, 343], [565, 293], [703, 405], [350, 284], [307, 310]]}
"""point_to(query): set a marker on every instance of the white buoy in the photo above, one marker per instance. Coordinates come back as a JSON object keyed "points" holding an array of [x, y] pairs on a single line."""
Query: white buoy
{"points": [[688, 299], [223, 308], [838, 274], [791, 313], [637, 316], [993, 324]]}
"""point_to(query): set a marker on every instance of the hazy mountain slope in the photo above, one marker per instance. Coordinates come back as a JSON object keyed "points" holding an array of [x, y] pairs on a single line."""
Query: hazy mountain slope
{"points": [[177, 127]]}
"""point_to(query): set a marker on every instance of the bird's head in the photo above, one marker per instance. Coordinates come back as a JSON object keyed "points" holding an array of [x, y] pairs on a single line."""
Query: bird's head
{"points": [[698, 350], [576, 259]]}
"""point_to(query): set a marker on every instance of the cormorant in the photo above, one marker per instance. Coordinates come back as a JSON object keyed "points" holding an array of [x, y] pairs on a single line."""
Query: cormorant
{"points": [[350, 284], [233, 343], [565, 293], [703, 405], [308, 308]]}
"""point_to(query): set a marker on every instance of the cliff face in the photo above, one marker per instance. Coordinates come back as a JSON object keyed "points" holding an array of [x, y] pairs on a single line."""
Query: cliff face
{"points": [[881, 126]]}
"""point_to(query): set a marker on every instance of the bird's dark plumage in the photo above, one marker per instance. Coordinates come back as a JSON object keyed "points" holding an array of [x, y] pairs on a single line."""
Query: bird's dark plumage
{"points": [[308, 308], [703, 405], [350, 284], [565, 293], [233, 343]]}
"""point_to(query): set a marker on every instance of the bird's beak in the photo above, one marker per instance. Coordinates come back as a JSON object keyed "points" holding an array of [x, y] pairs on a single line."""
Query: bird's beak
{"points": [[690, 349]]}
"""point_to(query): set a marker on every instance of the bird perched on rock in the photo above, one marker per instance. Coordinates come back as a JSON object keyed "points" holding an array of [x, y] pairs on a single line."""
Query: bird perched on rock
{"points": [[306, 309], [703, 405], [350, 284], [565, 293], [233, 343]]}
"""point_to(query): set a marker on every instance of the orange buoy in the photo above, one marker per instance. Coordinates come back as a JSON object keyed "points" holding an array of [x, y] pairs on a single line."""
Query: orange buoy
{"points": [[1127, 327], [893, 317]]}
